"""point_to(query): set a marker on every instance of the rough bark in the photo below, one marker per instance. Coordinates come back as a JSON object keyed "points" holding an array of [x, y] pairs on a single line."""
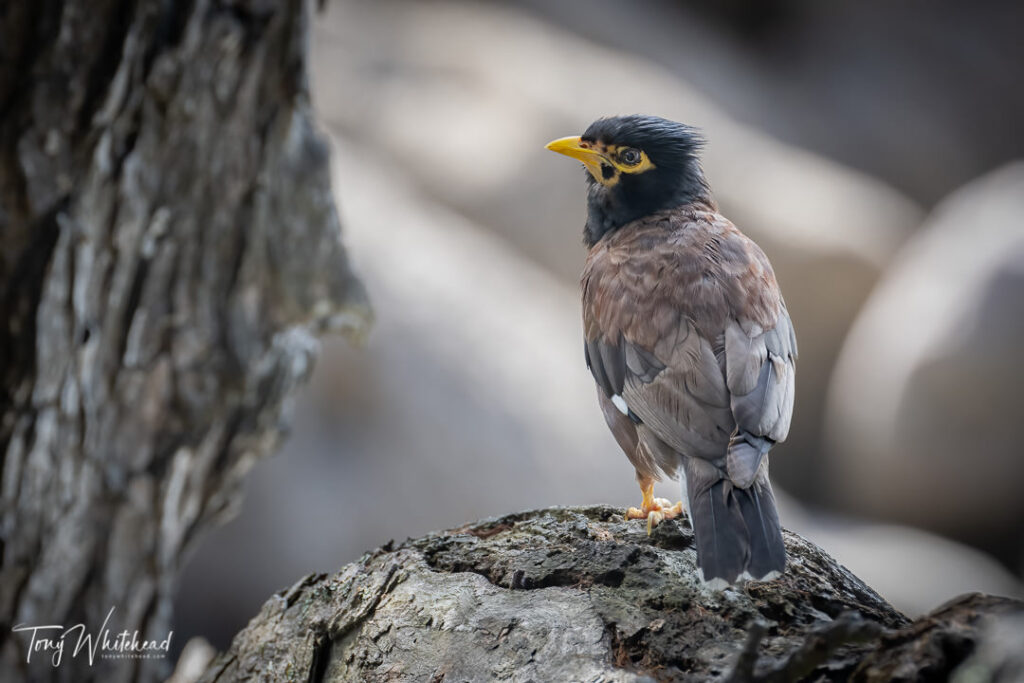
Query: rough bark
{"points": [[170, 249], [579, 594]]}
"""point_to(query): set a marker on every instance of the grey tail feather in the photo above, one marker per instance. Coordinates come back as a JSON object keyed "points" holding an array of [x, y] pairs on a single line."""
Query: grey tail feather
{"points": [[737, 530], [767, 550]]}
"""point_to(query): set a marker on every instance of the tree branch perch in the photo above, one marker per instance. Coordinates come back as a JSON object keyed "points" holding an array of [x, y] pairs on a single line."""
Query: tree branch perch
{"points": [[578, 594]]}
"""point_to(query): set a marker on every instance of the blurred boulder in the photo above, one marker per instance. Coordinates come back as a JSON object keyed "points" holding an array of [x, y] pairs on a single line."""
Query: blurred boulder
{"points": [[914, 570], [464, 96], [999, 657], [925, 410], [865, 82]]}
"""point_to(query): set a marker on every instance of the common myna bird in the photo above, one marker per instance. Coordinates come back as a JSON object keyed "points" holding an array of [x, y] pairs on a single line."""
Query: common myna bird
{"points": [[687, 338]]}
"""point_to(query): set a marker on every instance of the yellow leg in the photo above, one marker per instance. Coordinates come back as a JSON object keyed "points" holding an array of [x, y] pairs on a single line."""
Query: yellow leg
{"points": [[654, 510]]}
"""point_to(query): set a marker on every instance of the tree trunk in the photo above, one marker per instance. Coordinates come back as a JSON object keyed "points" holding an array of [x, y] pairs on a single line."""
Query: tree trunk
{"points": [[579, 594], [170, 247]]}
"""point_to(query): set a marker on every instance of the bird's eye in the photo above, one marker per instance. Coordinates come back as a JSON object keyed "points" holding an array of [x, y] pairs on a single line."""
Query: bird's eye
{"points": [[630, 157]]}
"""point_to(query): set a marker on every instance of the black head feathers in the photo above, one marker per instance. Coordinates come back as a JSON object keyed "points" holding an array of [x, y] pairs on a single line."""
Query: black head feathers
{"points": [[648, 164]]}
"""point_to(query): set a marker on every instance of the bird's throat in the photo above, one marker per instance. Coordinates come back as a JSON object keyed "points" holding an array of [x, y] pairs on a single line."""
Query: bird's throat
{"points": [[611, 207]]}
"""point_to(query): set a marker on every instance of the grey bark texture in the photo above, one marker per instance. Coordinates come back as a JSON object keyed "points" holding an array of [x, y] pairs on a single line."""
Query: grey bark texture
{"points": [[170, 250], [578, 594]]}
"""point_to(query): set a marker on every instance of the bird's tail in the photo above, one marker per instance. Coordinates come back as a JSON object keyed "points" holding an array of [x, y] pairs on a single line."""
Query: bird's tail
{"points": [[736, 529]]}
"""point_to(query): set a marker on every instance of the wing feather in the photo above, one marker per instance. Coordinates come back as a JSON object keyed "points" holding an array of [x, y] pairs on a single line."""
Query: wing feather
{"points": [[761, 374]]}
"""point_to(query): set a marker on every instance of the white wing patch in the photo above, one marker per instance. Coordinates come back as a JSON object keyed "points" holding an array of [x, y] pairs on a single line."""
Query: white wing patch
{"points": [[620, 403]]}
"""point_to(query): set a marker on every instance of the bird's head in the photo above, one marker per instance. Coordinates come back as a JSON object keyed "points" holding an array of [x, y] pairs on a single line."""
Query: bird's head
{"points": [[636, 165]]}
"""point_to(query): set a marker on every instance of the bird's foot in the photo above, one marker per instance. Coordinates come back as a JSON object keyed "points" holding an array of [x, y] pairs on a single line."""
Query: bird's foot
{"points": [[654, 510]]}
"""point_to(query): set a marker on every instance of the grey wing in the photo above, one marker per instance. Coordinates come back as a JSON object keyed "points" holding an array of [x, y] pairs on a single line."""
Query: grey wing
{"points": [[761, 377], [686, 403]]}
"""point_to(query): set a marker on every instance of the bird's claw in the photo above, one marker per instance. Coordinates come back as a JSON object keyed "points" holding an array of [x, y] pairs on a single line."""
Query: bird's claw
{"points": [[654, 519], [658, 511]]}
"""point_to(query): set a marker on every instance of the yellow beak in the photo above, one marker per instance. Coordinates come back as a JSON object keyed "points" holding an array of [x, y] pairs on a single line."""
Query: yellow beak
{"points": [[572, 147]]}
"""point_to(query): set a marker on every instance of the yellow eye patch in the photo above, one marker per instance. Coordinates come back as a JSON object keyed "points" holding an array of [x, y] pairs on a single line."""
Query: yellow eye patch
{"points": [[606, 163], [628, 159], [619, 159]]}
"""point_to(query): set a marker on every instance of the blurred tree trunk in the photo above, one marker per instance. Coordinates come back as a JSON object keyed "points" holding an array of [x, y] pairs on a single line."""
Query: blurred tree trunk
{"points": [[578, 594], [170, 249]]}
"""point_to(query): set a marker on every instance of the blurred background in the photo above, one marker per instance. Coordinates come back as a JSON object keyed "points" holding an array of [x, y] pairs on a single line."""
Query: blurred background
{"points": [[871, 148]]}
